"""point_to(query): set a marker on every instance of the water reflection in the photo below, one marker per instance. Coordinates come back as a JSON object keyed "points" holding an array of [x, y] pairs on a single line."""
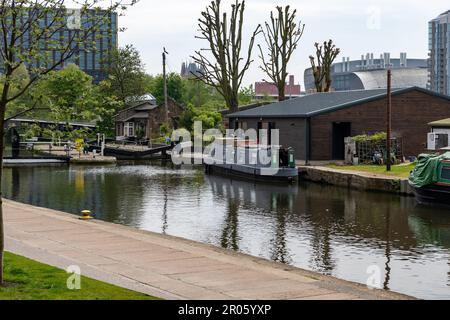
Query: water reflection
{"points": [[331, 230]]}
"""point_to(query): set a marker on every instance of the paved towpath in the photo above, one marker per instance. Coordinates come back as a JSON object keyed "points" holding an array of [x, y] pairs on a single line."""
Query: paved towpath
{"points": [[163, 266]]}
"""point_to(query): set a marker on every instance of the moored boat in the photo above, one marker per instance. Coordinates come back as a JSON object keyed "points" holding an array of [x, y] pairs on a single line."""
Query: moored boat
{"points": [[430, 179], [247, 159]]}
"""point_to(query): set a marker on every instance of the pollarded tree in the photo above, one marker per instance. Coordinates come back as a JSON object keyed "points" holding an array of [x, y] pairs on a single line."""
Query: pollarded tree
{"points": [[325, 55], [224, 67], [42, 35], [281, 35]]}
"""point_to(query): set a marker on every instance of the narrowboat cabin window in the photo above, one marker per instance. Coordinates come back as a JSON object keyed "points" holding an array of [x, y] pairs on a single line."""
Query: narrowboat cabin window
{"points": [[272, 126], [445, 173]]}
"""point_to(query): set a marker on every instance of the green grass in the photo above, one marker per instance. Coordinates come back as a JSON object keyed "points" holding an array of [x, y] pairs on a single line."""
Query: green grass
{"points": [[32, 280], [397, 171]]}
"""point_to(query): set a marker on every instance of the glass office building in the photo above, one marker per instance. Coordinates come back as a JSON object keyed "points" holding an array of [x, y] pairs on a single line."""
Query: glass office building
{"points": [[439, 56], [91, 54]]}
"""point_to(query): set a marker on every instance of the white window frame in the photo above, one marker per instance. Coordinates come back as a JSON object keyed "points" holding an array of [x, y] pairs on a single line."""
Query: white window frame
{"points": [[128, 129]]}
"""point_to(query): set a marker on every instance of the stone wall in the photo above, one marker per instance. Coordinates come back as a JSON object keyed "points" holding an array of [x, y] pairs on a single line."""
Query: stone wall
{"points": [[356, 181]]}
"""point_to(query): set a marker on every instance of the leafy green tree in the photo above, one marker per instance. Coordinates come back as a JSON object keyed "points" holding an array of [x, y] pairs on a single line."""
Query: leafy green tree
{"points": [[69, 94], [25, 27], [26, 102], [246, 95], [210, 119], [31, 131], [108, 108], [127, 77], [175, 87], [199, 95]]}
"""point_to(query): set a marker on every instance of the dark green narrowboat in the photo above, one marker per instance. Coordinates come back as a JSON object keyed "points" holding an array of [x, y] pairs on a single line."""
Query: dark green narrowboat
{"points": [[430, 179]]}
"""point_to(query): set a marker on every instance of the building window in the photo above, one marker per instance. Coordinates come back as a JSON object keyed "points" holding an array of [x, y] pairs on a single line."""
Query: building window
{"points": [[243, 125], [129, 129]]}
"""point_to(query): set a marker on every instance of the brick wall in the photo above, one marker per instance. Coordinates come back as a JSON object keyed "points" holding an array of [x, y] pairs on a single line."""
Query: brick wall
{"points": [[411, 113], [157, 117], [292, 132]]}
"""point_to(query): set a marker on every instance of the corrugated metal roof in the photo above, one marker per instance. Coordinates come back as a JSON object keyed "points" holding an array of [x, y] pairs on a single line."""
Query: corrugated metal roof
{"points": [[319, 103], [401, 78]]}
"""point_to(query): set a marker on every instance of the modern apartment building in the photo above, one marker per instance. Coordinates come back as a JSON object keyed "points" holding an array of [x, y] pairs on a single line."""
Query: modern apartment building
{"points": [[91, 58], [439, 56]]}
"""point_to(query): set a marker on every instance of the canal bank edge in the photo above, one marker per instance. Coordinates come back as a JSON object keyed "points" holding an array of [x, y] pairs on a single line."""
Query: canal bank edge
{"points": [[356, 180], [29, 232]]}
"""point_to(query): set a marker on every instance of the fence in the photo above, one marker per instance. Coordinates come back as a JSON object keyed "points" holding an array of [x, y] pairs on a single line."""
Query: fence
{"points": [[36, 151], [369, 152]]}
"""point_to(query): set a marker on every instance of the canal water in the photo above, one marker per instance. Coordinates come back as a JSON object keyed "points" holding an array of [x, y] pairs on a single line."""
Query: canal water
{"points": [[347, 234]]}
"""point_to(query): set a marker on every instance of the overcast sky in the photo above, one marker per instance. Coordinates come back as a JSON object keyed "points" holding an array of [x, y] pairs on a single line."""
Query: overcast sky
{"points": [[356, 26]]}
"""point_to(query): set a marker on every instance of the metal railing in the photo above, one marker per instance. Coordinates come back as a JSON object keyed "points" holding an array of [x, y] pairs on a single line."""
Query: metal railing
{"points": [[37, 150]]}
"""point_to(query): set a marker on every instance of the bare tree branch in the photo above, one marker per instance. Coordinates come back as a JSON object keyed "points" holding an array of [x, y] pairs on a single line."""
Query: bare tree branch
{"points": [[325, 56], [225, 68], [281, 36]]}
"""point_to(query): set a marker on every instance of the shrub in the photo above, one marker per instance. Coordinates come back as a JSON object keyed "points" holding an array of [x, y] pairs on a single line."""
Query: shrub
{"points": [[375, 138]]}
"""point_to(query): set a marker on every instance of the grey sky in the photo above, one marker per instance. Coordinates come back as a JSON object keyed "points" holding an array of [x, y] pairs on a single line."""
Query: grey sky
{"points": [[356, 26]]}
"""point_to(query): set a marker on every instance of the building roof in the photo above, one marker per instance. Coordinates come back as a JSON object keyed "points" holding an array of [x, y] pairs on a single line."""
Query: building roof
{"points": [[91, 124], [441, 123], [148, 97], [140, 108], [138, 115], [401, 78], [320, 103]]}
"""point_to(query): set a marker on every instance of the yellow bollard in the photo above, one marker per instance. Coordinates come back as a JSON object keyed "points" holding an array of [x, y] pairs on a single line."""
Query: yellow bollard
{"points": [[86, 215]]}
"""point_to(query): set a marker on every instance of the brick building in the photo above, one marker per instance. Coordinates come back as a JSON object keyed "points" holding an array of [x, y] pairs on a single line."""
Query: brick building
{"points": [[144, 118], [267, 89], [316, 125]]}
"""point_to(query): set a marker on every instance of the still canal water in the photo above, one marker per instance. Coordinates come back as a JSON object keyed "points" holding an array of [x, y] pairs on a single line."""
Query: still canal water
{"points": [[321, 228]]}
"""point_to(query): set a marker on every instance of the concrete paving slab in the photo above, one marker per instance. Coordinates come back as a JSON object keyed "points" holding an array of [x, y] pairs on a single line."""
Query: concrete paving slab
{"points": [[164, 266]]}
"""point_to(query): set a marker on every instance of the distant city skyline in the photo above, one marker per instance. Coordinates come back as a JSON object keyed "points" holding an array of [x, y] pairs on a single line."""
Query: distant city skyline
{"points": [[356, 26], [439, 70]]}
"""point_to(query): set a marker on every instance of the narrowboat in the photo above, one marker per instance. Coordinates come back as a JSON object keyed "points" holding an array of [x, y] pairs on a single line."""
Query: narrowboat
{"points": [[430, 180], [251, 160]]}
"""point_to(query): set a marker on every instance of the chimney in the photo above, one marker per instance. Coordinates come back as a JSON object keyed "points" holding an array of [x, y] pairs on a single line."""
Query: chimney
{"points": [[291, 80]]}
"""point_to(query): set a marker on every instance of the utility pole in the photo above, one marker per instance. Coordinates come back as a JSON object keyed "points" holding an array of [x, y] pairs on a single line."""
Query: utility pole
{"points": [[389, 121], [166, 103]]}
